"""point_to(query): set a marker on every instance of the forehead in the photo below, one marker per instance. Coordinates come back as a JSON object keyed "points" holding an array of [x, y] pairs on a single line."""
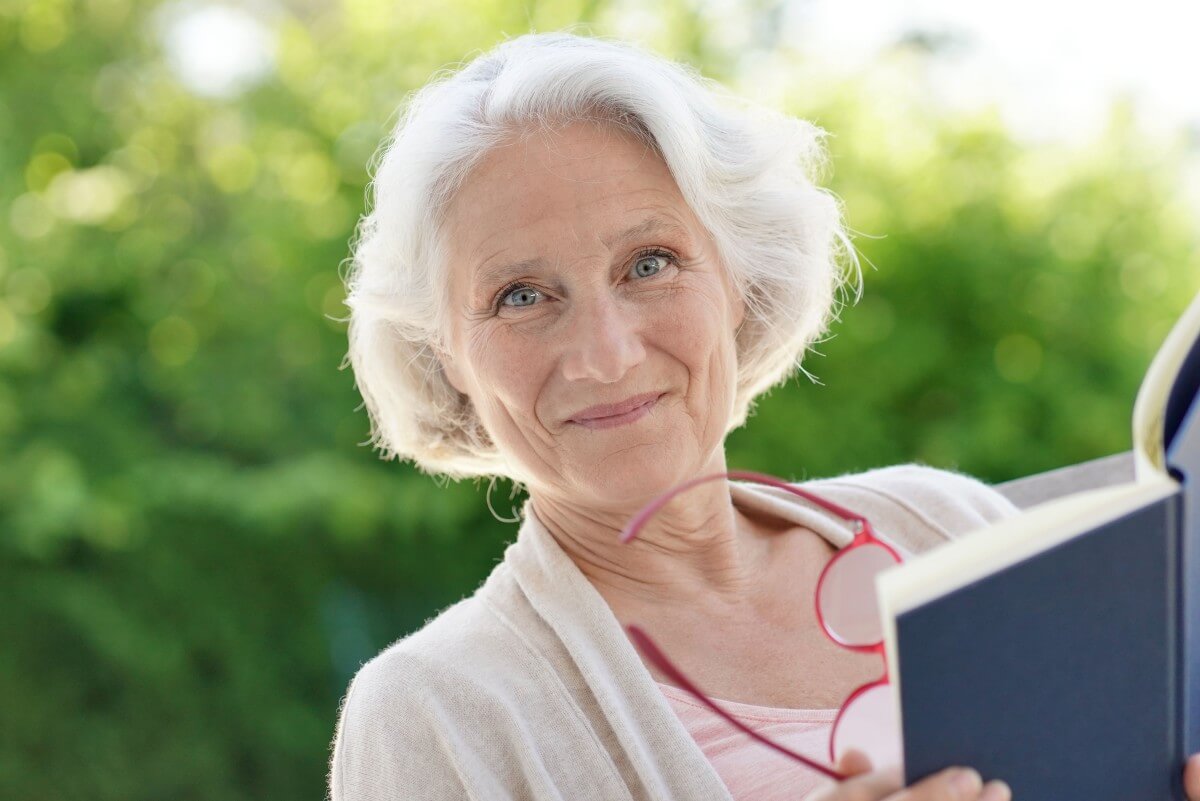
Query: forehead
{"points": [[582, 182]]}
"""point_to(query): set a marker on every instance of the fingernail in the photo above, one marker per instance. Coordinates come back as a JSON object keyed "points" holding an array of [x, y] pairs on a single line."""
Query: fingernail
{"points": [[996, 790], [966, 782]]}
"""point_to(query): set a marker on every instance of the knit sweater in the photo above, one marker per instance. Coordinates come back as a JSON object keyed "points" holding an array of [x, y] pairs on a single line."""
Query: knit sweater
{"points": [[530, 689]]}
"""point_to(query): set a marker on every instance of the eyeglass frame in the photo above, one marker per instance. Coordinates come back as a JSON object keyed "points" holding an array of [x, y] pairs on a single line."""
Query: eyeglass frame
{"points": [[864, 535]]}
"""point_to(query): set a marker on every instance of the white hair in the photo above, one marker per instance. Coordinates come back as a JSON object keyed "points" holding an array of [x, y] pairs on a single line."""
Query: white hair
{"points": [[746, 172]]}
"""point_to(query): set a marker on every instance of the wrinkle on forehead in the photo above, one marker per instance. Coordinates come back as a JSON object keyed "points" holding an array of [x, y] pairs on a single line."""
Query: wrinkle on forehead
{"points": [[551, 138]]}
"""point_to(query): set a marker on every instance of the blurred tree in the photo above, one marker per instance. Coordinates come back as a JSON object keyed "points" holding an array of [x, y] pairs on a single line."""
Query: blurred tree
{"points": [[1013, 294], [197, 553]]}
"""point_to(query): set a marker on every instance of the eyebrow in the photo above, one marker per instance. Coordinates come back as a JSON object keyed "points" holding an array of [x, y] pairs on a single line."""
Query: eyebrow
{"points": [[651, 225]]}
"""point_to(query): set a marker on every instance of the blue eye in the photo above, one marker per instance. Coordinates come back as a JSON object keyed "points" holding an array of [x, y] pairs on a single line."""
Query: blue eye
{"points": [[648, 265], [518, 295], [523, 294]]}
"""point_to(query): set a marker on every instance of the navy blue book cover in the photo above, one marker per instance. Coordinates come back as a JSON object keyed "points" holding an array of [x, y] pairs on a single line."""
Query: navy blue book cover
{"points": [[1058, 674]]}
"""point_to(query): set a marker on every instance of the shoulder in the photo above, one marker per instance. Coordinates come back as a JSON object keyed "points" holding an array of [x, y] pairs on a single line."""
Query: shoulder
{"points": [[437, 713], [384, 746], [910, 496], [451, 653], [406, 707]]}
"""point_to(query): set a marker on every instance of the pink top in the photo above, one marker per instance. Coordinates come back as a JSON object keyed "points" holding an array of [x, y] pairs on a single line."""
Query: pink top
{"points": [[751, 770]]}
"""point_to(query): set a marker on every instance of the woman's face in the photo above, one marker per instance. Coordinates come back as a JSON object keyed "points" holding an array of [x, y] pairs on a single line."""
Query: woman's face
{"points": [[579, 276]]}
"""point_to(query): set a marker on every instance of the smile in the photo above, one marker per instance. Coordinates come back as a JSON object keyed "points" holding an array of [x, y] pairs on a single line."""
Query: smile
{"points": [[613, 421]]}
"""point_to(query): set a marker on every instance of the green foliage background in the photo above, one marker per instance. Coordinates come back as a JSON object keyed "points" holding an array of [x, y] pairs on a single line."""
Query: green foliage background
{"points": [[196, 553]]}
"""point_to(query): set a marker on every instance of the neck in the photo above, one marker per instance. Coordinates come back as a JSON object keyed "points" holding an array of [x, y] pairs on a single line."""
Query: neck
{"points": [[698, 550]]}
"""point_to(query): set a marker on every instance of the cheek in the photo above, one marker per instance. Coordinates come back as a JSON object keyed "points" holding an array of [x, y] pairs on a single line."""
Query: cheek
{"points": [[506, 365], [697, 323]]}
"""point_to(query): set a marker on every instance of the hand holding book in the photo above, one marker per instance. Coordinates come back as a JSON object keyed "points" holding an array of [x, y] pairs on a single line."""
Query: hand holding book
{"points": [[1059, 649], [868, 785], [865, 784]]}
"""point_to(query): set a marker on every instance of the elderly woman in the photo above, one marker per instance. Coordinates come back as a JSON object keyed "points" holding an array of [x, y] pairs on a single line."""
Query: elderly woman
{"points": [[582, 266]]}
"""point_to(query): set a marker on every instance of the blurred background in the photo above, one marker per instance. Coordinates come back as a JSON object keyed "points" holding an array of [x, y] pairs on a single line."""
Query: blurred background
{"points": [[196, 550]]}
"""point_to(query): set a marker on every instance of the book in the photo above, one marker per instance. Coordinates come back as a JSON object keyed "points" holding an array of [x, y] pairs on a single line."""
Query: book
{"points": [[1059, 649]]}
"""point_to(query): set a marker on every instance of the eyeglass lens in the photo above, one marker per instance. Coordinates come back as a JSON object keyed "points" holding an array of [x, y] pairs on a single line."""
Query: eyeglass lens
{"points": [[848, 602], [848, 607]]}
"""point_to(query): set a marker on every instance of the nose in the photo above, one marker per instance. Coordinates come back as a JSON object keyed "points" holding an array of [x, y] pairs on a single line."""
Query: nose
{"points": [[602, 342]]}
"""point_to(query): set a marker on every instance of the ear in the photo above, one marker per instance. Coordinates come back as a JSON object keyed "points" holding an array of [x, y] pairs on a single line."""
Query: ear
{"points": [[737, 303], [450, 369]]}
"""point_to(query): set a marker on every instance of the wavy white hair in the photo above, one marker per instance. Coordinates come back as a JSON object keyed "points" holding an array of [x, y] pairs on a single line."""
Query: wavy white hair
{"points": [[746, 172]]}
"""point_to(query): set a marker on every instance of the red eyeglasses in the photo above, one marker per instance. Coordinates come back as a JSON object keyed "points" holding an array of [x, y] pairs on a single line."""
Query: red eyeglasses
{"points": [[847, 609]]}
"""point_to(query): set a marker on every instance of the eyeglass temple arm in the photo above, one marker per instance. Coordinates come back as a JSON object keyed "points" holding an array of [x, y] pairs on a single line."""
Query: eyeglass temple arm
{"points": [[634, 526], [655, 654], [652, 652]]}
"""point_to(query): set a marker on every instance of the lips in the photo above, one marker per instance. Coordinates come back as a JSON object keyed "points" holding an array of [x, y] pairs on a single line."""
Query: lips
{"points": [[613, 409]]}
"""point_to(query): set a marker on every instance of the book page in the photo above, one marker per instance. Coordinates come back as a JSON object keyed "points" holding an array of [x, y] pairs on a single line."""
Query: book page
{"points": [[1150, 408], [981, 553]]}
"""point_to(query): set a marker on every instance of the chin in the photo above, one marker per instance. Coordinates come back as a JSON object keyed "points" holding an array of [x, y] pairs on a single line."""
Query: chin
{"points": [[635, 477]]}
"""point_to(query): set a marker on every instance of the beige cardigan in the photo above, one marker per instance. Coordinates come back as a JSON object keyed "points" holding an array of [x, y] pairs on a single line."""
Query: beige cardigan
{"points": [[529, 688]]}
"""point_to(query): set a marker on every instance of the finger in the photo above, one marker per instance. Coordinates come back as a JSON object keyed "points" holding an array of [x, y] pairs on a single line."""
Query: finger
{"points": [[854, 762], [872, 786], [1191, 778], [951, 784]]}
